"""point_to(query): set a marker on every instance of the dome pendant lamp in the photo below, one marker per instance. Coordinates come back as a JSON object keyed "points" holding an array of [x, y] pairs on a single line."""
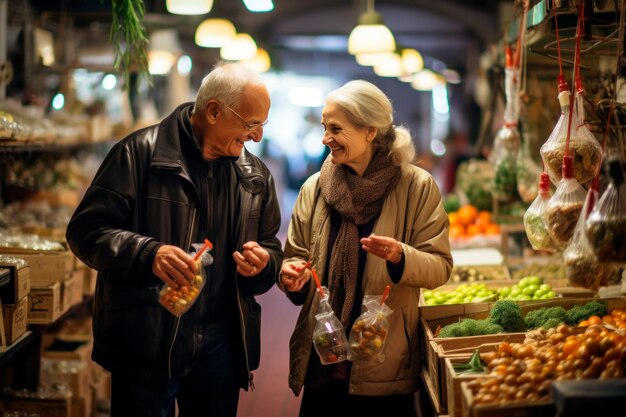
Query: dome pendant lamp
{"points": [[215, 33], [189, 7], [371, 35]]}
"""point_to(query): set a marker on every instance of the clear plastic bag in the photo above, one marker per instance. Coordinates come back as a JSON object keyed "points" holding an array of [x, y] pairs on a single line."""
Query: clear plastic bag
{"points": [[581, 264], [534, 217], [563, 209], [178, 301], [329, 335], [369, 331], [504, 157], [526, 173], [606, 225], [583, 145], [507, 141]]}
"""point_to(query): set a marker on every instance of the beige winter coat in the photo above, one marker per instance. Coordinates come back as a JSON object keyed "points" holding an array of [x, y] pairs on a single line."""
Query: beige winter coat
{"points": [[413, 214]]}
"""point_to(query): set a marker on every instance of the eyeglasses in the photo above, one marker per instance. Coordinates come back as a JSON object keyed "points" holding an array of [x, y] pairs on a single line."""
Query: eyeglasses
{"points": [[249, 126]]}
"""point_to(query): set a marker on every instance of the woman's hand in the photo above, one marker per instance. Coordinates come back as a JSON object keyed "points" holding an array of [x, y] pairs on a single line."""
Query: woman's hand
{"points": [[384, 247], [293, 275], [252, 259]]}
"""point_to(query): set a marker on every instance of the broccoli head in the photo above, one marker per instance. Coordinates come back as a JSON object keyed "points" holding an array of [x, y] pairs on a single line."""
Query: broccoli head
{"points": [[579, 313], [540, 317], [508, 315], [469, 327]]}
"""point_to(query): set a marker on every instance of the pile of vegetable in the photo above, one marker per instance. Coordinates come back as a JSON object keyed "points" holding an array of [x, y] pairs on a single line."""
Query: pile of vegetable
{"points": [[506, 317]]}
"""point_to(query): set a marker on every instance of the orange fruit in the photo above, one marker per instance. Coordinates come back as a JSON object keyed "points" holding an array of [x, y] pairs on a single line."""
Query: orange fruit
{"points": [[492, 229], [467, 214], [473, 230], [454, 218], [483, 218], [457, 230]]}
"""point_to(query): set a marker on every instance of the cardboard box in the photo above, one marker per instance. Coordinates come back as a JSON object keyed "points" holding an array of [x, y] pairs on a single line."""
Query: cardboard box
{"points": [[67, 293], [44, 304], [15, 320], [43, 407], [46, 267], [19, 279], [72, 373]]}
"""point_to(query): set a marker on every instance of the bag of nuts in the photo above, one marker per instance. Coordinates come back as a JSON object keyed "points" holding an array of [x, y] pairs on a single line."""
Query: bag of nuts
{"points": [[369, 331]]}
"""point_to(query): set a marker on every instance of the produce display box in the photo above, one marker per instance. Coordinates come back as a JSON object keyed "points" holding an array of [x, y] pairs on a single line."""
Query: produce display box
{"points": [[520, 408], [46, 266], [18, 284], [44, 304], [14, 320], [447, 314], [453, 383], [432, 393], [460, 349], [474, 272]]}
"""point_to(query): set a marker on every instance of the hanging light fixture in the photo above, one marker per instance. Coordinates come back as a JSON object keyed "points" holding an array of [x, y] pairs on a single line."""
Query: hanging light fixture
{"points": [[412, 61], [373, 58], [189, 7], [241, 47], [261, 61], [215, 33], [259, 5], [163, 51], [371, 35], [390, 67]]}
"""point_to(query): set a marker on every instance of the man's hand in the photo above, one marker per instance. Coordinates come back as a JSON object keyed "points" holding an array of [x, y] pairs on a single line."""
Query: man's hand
{"points": [[252, 260], [174, 266]]}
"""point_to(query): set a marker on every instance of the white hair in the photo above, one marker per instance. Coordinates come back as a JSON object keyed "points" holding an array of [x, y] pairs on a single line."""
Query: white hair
{"points": [[225, 83], [366, 105]]}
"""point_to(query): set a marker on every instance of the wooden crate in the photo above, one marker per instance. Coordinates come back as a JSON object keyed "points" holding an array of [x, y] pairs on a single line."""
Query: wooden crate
{"points": [[431, 356], [453, 386], [520, 408]]}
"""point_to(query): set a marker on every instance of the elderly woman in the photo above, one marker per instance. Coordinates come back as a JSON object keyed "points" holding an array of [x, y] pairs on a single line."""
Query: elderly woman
{"points": [[369, 218]]}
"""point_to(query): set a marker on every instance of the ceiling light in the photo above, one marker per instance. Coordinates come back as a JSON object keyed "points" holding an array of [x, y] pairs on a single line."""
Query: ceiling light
{"points": [[412, 61], [424, 80], [239, 48], [390, 67], [259, 5], [371, 34], [452, 76], [162, 51], [373, 58], [261, 61], [214, 33], [189, 7]]}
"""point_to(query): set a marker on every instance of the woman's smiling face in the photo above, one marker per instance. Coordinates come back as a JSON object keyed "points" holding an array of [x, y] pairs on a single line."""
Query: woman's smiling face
{"points": [[349, 144]]}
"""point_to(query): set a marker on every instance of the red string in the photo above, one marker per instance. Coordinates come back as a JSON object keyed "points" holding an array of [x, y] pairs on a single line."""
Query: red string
{"points": [[558, 42]]}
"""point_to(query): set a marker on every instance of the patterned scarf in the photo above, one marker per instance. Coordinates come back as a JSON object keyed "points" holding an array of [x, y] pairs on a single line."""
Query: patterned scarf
{"points": [[358, 200]]}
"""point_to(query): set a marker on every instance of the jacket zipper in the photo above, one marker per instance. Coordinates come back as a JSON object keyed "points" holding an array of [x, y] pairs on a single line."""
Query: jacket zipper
{"points": [[245, 202], [169, 355]]}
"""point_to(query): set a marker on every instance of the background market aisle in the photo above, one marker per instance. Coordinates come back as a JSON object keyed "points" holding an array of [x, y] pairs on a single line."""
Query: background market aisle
{"points": [[272, 396]]}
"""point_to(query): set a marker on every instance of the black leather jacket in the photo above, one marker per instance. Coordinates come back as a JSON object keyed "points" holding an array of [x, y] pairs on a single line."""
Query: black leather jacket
{"points": [[142, 197]]}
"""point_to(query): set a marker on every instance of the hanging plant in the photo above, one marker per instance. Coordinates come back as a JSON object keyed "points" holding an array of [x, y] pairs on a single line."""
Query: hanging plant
{"points": [[129, 38]]}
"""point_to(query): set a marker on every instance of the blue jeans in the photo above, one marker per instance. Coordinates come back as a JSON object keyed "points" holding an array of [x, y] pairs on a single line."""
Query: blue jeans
{"points": [[203, 381]]}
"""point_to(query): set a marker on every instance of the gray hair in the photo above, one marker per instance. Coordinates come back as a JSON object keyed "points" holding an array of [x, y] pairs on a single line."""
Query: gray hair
{"points": [[366, 105], [225, 83]]}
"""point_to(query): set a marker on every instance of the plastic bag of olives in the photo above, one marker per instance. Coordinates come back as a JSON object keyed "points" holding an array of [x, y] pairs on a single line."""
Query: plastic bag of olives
{"points": [[329, 335], [606, 225], [583, 146], [179, 300], [534, 223], [563, 209], [369, 331], [581, 264]]}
